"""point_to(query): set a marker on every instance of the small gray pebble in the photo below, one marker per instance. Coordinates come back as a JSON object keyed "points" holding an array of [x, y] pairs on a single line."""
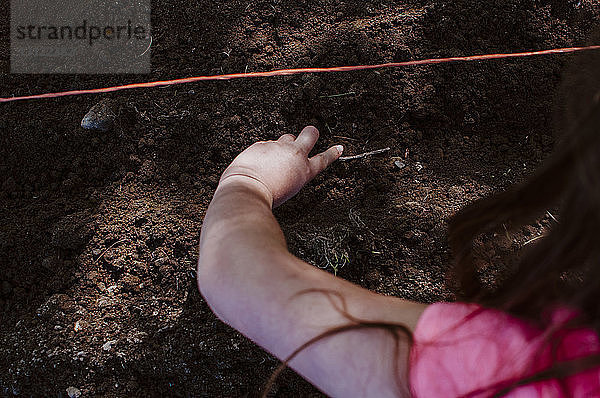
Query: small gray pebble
{"points": [[399, 164], [73, 392], [100, 117]]}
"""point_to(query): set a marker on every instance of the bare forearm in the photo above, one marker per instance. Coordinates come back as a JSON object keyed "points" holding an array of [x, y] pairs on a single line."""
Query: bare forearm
{"points": [[240, 245]]}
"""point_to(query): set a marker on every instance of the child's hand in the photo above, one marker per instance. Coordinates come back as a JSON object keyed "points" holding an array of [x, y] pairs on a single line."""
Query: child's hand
{"points": [[283, 166]]}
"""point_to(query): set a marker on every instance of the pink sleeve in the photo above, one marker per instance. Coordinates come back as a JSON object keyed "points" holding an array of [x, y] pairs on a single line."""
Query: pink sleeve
{"points": [[463, 349]]}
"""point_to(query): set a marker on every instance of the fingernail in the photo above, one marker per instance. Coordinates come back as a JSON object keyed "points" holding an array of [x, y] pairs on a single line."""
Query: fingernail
{"points": [[340, 148]]}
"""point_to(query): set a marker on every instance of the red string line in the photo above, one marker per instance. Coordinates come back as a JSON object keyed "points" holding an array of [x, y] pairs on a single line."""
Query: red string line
{"points": [[287, 72]]}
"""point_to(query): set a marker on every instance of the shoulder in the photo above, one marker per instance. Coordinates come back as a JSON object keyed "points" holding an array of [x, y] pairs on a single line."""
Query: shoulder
{"points": [[461, 347]]}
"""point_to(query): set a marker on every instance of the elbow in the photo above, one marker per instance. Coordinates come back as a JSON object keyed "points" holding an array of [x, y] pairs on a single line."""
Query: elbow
{"points": [[207, 281], [214, 285], [201, 277], [202, 273]]}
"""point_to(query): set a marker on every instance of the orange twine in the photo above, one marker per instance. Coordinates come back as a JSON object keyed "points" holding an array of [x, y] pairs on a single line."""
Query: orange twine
{"points": [[287, 72]]}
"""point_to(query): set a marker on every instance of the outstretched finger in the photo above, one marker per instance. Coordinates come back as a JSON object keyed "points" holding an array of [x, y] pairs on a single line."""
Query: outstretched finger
{"points": [[287, 138], [307, 138], [319, 162]]}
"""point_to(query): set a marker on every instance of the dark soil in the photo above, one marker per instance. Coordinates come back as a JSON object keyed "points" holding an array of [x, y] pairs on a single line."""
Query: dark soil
{"points": [[99, 240]]}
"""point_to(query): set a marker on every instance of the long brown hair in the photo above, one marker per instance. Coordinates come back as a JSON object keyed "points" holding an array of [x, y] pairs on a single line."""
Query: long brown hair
{"points": [[569, 179], [564, 266]]}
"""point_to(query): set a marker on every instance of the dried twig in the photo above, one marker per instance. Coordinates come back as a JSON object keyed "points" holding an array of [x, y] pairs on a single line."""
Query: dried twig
{"points": [[551, 216], [337, 95], [110, 247], [534, 239], [345, 138], [362, 155]]}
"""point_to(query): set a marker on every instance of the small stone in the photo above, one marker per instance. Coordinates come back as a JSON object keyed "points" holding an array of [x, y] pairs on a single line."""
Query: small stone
{"points": [[77, 326], [73, 392], [418, 166], [109, 345], [400, 164], [100, 117]]}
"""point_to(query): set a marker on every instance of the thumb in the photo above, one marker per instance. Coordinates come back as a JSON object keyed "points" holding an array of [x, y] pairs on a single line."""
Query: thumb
{"points": [[319, 162]]}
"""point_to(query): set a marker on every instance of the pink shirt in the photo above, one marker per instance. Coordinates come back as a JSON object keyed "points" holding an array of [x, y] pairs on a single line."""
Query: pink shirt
{"points": [[461, 349]]}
